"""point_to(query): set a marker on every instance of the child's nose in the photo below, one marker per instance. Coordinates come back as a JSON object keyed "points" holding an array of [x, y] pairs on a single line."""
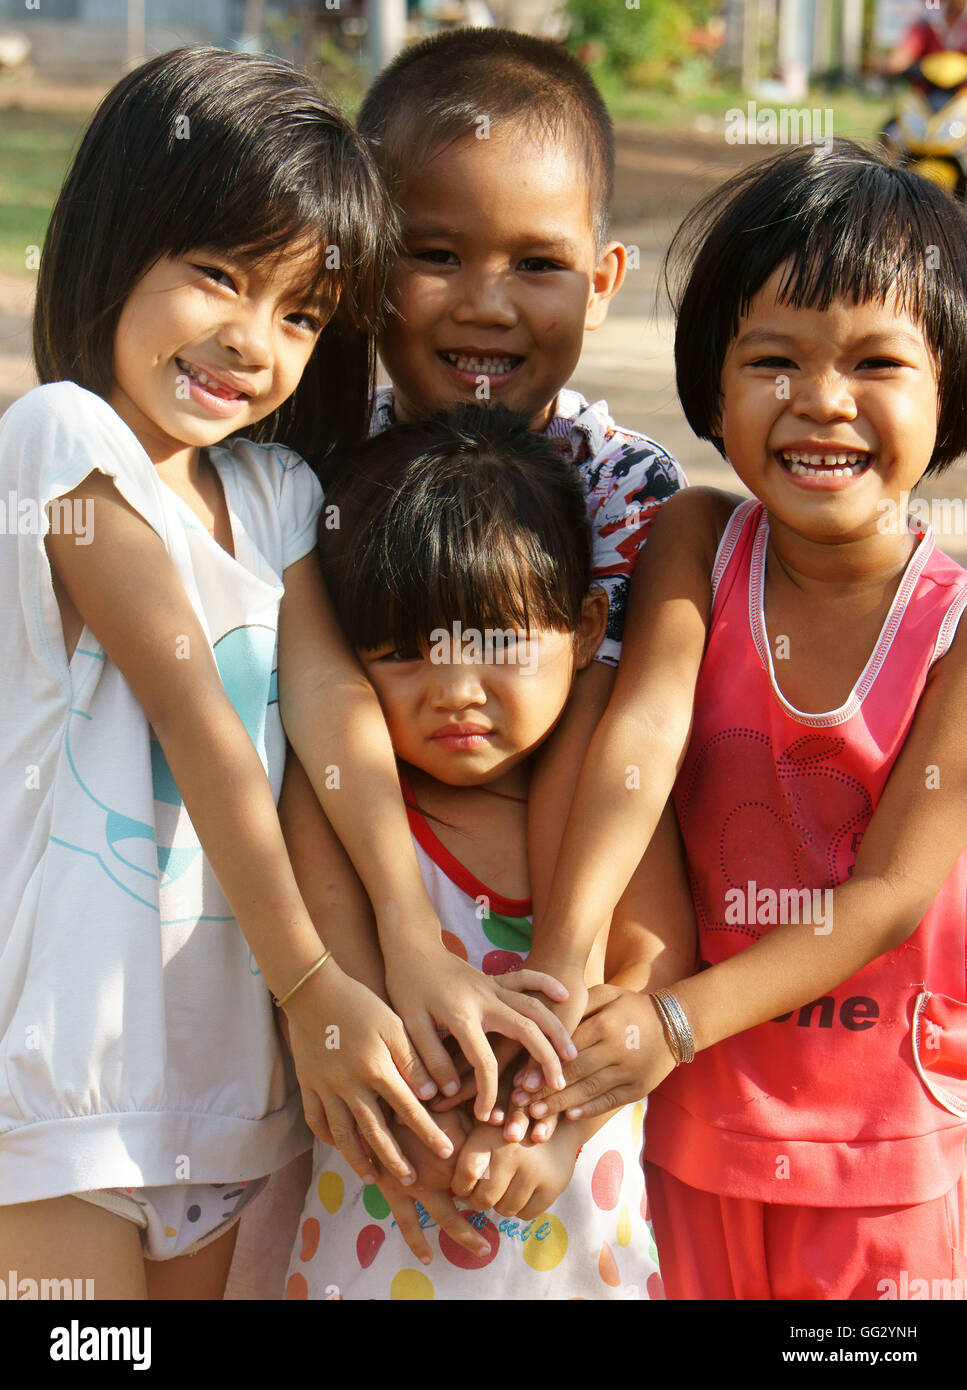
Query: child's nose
{"points": [[457, 685], [485, 295], [824, 397], [247, 334]]}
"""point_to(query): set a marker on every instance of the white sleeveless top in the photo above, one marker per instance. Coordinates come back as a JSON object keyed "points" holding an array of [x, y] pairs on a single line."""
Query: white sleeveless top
{"points": [[137, 1040]]}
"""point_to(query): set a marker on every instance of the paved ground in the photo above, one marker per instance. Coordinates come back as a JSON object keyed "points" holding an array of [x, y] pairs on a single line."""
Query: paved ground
{"points": [[629, 360]]}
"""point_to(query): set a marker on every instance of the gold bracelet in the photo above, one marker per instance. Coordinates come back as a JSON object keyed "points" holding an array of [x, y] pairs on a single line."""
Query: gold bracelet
{"points": [[308, 975]]}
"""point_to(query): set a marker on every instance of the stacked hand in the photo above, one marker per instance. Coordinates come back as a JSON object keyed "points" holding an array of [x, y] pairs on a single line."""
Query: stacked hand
{"points": [[514, 1180], [435, 991], [351, 1053], [622, 1056]]}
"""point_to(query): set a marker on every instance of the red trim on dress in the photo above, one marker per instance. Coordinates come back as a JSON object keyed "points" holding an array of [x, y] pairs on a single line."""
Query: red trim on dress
{"points": [[455, 871]]}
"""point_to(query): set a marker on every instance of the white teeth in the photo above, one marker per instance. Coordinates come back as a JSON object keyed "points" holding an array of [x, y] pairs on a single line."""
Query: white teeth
{"points": [[802, 470], [481, 366], [209, 383], [815, 465]]}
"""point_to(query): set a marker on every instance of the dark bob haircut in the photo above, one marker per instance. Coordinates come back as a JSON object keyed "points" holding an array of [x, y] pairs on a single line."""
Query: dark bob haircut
{"points": [[438, 92], [228, 152], [465, 515], [851, 225]]}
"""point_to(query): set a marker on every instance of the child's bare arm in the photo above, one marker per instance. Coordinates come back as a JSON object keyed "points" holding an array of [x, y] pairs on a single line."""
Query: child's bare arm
{"points": [[557, 766], [637, 747], [653, 938], [126, 589], [554, 778], [330, 886]]}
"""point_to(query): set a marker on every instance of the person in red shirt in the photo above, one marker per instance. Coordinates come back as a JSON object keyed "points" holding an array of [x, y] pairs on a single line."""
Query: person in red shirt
{"points": [[934, 33]]}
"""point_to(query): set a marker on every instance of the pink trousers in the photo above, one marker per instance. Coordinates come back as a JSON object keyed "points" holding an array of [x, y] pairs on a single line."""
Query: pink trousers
{"points": [[713, 1247]]}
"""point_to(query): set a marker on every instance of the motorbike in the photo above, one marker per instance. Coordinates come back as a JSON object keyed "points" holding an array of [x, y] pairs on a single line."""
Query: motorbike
{"points": [[929, 129]]}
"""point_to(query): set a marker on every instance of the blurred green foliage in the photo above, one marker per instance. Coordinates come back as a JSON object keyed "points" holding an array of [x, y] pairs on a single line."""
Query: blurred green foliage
{"points": [[647, 43]]}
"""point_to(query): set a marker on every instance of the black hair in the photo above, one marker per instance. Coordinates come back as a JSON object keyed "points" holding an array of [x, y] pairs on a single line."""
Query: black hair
{"points": [[465, 515], [440, 90], [202, 148], [853, 225]]}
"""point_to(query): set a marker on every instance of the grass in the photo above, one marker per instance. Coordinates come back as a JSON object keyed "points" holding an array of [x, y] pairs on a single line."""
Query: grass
{"points": [[35, 151], [855, 115]]}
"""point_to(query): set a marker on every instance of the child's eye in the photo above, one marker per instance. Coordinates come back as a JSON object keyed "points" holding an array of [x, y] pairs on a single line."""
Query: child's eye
{"points": [[212, 272], [538, 263], [436, 255], [307, 321], [401, 654], [879, 363], [772, 362]]}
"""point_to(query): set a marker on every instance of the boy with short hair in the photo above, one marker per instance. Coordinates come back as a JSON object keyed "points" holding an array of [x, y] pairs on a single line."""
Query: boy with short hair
{"points": [[499, 152]]}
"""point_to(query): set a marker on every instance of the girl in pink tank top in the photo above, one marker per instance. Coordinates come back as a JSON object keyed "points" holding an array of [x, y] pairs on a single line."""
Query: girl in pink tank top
{"points": [[794, 677]]}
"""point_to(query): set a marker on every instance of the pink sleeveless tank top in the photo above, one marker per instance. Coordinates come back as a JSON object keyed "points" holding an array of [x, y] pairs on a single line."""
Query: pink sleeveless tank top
{"points": [[859, 1098]]}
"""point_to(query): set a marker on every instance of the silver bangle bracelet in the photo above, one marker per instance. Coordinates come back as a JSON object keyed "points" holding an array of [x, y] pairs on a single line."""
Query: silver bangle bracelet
{"points": [[683, 1044]]}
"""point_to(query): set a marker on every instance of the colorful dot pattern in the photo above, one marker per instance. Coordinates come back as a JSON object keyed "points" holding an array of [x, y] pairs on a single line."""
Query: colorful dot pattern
{"points": [[594, 1242]]}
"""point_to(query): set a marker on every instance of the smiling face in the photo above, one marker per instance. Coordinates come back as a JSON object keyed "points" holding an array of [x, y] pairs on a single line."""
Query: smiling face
{"points": [[206, 345], [826, 413], [473, 706], [499, 278]]}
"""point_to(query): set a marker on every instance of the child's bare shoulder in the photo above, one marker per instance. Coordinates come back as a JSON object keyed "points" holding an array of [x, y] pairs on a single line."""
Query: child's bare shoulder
{"points": [[693, 520]]}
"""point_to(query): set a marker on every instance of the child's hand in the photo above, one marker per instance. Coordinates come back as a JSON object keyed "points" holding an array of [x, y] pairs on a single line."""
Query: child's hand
{"points": [[434, 1176], [351, 1051], [434, 1173], [623, 1055], [570, 1012], [515, 1179], [436, 1204], [436, 990], [510, 1061]]}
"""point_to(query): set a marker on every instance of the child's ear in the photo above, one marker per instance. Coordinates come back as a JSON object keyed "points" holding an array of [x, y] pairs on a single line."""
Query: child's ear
{"points": [[608, 277], [594, 622]]}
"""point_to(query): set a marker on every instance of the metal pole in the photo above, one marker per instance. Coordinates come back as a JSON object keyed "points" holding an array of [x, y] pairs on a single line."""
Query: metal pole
{"points": [[254, 15], [851, 35], [794, 45], [822, 48], [750, 45], [387, 31]]}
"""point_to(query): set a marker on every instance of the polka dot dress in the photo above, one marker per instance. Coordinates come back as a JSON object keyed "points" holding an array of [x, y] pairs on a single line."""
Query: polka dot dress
{"points": [[594, 1242]]}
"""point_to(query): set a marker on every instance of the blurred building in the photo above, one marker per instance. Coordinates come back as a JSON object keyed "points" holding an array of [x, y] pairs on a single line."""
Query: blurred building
{"points": [[89, 39]]}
